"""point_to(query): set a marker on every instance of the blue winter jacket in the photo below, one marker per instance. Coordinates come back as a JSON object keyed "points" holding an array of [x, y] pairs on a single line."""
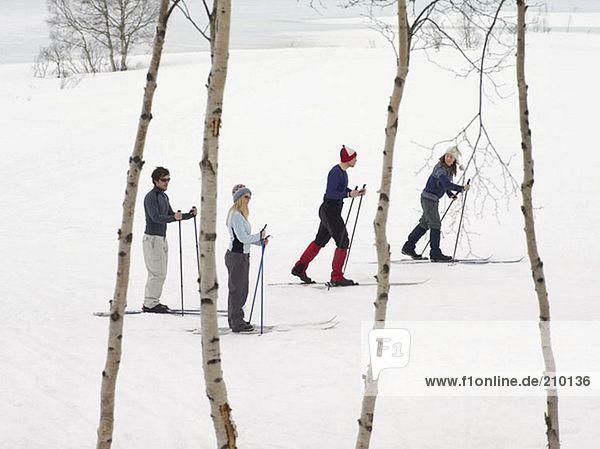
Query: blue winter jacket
{"points": [[440, 182], [337, 184]]}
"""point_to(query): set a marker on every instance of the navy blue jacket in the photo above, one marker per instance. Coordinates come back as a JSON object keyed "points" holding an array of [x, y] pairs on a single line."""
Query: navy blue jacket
{"points": [[158, 212], [439, 182], [337, 184]]}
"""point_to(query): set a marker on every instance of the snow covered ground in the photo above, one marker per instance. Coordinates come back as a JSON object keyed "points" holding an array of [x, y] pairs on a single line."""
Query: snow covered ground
{"points": [[287, 111]]}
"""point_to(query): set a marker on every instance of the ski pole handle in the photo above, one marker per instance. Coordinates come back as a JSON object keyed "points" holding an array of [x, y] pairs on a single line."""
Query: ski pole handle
{"points": [[263, 235], [468, 184]]}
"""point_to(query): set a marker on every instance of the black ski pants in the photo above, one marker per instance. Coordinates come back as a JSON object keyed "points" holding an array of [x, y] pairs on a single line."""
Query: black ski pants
{"points": [[332, 225]]}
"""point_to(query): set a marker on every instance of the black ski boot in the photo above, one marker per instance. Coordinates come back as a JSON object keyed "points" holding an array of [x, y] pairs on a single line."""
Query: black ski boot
{"points": [[412, 253], [158, 308], [244, 328], [408, 248], [300, 271], [436, 254], [342, 283], [440, 257]]}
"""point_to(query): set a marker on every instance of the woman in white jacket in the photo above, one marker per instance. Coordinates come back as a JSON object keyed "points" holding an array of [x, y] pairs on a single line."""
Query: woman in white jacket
{"points": [[237, 257]]}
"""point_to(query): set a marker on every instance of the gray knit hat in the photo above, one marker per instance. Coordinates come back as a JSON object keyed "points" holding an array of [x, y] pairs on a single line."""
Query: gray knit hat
{"points": [[239, 190]]}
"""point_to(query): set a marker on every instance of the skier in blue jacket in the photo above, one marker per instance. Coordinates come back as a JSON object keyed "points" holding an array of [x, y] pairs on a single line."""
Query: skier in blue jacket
{"points": [[331, 222], [438, 184]]}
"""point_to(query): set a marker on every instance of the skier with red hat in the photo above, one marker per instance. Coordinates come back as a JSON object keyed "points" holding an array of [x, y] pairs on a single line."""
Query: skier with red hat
{"points": [[332, 224]]}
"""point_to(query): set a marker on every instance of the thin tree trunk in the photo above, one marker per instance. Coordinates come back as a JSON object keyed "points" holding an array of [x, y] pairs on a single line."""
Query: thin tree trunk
{"points": [[537, 267], [109, 43], [119, 302], [365, 423], [216, 389], [122, 37]]}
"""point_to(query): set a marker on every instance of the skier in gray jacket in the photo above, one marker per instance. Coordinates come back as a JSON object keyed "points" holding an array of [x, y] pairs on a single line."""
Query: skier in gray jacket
{"points": [[156, 250], [237, 257]]}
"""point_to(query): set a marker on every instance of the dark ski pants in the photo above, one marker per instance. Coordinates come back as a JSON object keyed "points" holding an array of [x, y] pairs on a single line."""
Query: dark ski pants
{"points": [[332, 225], [238, 267]]}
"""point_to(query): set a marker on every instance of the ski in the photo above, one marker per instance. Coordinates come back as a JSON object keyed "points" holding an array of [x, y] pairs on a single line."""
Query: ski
{"points": [[331, 320], [285, 327], [474, 261], [170, 312], [327, 285], [488, 261], [420, 261], [281, 328], [283, 284], [219, 311]]}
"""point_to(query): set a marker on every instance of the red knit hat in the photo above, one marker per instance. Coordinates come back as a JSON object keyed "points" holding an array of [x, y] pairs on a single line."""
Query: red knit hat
{"points": [[347, 154]]}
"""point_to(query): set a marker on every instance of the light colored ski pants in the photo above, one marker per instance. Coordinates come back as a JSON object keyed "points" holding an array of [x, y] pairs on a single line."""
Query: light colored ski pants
{"points": [[156, 255]]}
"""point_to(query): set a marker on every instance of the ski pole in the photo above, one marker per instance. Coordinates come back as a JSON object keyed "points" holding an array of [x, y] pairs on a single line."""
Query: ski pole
{"points": [[181, 266], [462, 211], [349, 209], [197, 249], [197, 254], [354, 229], [260, 268], [262, 285], [345, 231]]}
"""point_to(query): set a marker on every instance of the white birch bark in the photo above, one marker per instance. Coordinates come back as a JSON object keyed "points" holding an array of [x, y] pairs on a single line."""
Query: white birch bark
{"points": [[119, 302], [537, 267], [216, 389], [365, 423]]}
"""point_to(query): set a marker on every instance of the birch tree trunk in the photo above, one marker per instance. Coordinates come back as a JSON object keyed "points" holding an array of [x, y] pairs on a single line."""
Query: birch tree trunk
{"points": [[119, 302], [216, 389], [122, 37], [537, 267], [365, 423], [109, 43]]}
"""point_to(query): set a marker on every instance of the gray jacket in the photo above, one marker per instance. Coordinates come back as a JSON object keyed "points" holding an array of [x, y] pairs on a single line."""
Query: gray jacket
{"points": [[158, 212]]}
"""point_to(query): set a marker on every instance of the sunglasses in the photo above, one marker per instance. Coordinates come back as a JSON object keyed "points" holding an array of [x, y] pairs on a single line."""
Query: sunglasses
{"points": [[247, 197], [165, 179]]}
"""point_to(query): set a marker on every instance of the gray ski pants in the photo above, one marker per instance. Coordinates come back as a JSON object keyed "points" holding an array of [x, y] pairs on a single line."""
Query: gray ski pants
{"points": [[238, 267], [431, 215]]}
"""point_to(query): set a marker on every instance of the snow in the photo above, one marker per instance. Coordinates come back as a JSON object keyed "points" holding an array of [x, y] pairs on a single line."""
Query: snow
{"points": [[287, 111]]}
